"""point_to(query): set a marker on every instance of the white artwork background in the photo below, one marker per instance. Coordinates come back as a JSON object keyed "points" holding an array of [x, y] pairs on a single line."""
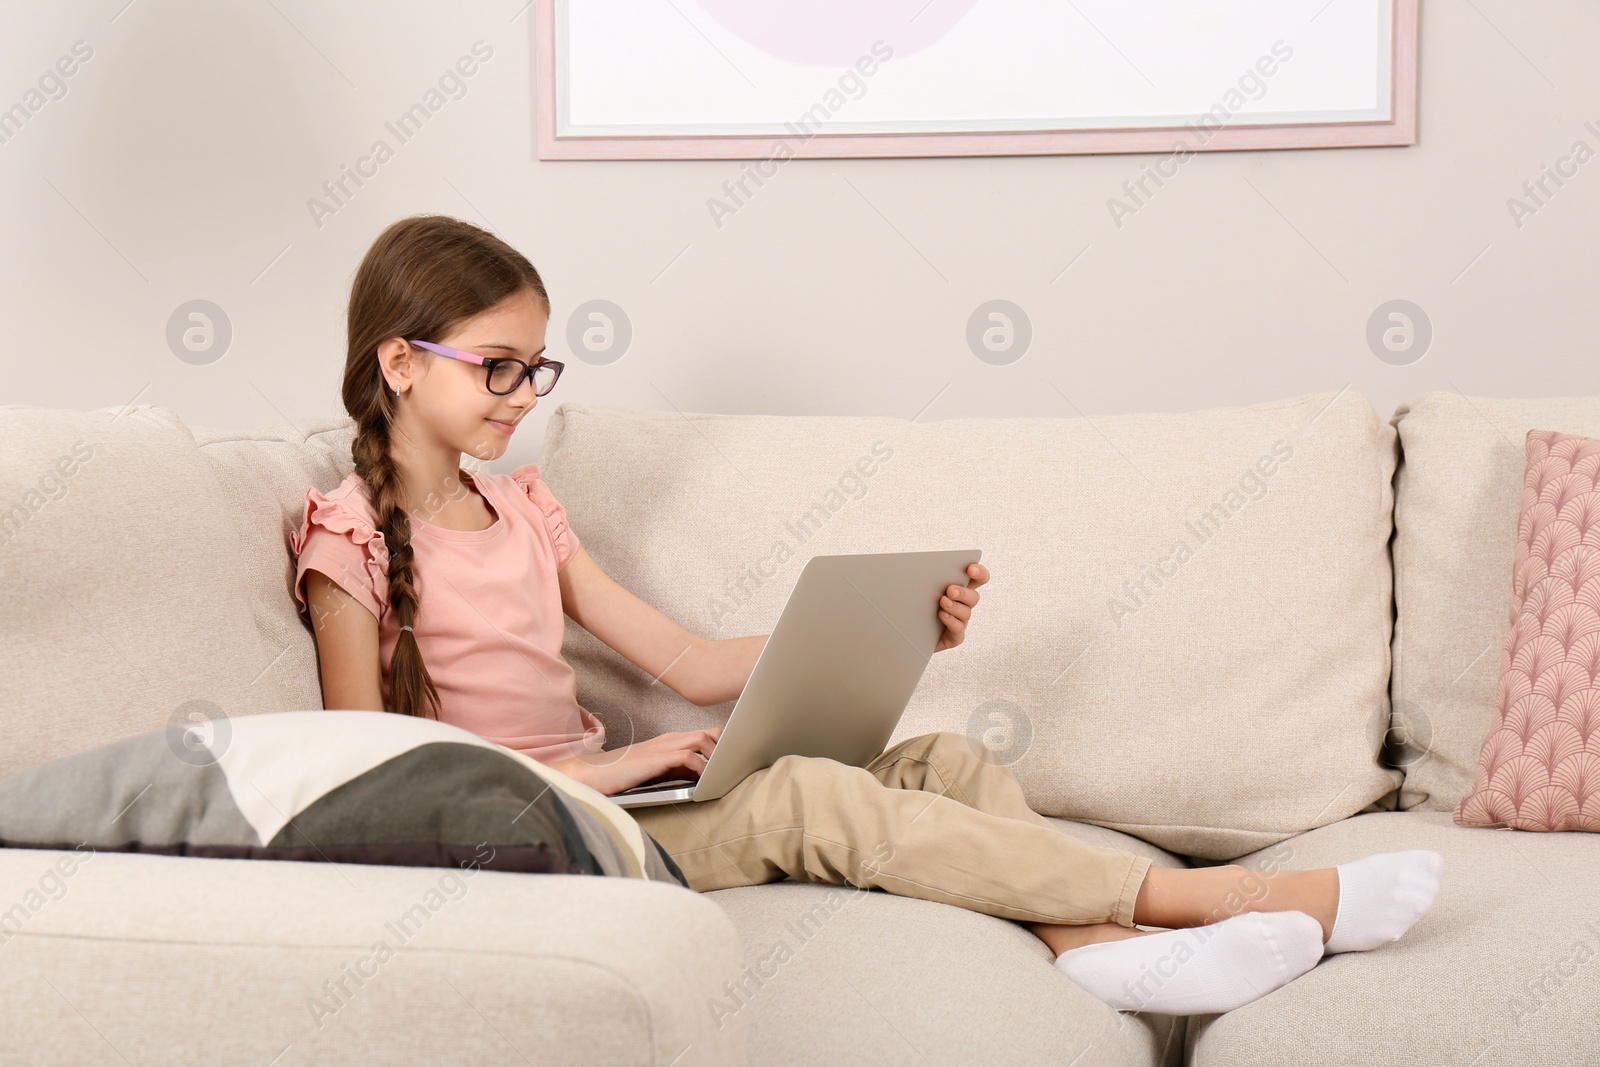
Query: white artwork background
{"points": [[641, 67]]}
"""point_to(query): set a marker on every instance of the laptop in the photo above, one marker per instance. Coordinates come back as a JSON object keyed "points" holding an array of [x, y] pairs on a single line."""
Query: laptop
{"points": [[833, 679]]}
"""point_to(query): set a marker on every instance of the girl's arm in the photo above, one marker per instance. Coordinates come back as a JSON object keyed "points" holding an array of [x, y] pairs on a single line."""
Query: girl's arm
{"points": [[702, 671], [347, 646]]}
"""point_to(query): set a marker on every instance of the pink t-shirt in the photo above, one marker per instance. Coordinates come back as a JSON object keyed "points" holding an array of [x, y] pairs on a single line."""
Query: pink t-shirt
{"points": [[489, 621]]}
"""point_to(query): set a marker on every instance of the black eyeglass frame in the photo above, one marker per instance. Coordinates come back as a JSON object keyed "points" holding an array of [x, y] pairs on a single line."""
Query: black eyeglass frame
{"points": [[489, 363]]}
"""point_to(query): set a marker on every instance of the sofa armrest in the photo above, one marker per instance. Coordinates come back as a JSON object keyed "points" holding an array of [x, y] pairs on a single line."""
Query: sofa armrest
{"points": [[178, 959]]}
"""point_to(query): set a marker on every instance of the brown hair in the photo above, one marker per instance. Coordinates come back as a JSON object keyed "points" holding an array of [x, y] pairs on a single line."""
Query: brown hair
{"points": [[422, 277]]}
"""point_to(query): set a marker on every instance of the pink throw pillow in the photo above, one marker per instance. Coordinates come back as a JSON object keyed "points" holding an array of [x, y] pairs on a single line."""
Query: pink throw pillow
{"points": [[1539, 768]]}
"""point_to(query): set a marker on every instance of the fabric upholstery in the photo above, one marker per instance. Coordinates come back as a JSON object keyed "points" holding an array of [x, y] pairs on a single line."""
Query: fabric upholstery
{"points": [[236, 961], [1167, 588], [836, 975], [145, 582], [1499, 970], [1458, 495]]}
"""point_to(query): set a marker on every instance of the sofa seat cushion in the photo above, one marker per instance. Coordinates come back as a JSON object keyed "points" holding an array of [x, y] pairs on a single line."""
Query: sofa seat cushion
{"points": [[1458, 494], [837, 974], [1503, 968], [184, 960], [1170, 592]]}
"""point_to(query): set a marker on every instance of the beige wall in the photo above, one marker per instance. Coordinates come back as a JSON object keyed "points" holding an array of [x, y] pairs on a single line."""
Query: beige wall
{"points": [[179, 163]]}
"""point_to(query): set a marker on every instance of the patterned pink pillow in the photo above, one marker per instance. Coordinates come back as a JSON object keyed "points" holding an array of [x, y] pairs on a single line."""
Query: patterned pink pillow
{"points": [[1539, 768]]}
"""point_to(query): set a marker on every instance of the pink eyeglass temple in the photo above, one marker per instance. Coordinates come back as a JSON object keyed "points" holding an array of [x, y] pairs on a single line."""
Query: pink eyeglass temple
{"points": [[453, 353]]}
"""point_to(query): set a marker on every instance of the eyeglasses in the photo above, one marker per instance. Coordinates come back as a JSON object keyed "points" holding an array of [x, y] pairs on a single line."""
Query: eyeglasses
{"points": [[504, 375]]}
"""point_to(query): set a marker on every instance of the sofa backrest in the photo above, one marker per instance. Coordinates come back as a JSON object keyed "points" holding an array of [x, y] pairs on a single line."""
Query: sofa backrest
{"points": [[146, 574], [1457, 500], [1186, 637], [1188, 628]]}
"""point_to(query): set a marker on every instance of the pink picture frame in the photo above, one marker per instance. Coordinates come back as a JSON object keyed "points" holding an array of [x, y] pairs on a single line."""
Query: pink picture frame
{"points": [[1399, 128]]}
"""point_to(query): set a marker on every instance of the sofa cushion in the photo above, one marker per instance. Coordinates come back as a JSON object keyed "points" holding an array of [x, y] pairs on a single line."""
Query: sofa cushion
{"points": [[1501, 969], [1457, 497], [181, 960], [263, 474], [138, 589], [1169, 593], [1539, 768], [903, 980], [328, 786]]}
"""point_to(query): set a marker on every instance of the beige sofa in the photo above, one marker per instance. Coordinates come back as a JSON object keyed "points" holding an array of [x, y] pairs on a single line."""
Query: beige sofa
{"points": [[1188, 650]]}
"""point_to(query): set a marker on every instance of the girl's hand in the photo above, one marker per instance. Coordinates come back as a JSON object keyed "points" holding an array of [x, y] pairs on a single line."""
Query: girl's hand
{"points": [[665, 756], [955, 607]]}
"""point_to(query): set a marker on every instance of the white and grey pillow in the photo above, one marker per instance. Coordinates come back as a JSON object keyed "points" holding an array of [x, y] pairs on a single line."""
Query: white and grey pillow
{"points": [[327, 786]]}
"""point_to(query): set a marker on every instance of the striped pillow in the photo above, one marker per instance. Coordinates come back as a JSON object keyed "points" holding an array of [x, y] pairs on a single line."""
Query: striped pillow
{"points": [[328, 786]]}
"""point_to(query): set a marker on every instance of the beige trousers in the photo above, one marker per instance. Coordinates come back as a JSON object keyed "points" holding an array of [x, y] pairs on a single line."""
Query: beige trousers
{"points": [[930, 817]]}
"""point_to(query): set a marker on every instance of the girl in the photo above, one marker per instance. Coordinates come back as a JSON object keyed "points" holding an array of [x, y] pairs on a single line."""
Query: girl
{"points": [[436, 591]]}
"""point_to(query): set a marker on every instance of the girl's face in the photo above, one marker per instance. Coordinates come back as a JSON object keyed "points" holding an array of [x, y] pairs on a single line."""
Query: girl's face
{"points": [[450, 398]]}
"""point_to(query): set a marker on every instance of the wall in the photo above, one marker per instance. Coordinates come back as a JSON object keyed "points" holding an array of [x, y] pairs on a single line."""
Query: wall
{"points": [[180, 161]]}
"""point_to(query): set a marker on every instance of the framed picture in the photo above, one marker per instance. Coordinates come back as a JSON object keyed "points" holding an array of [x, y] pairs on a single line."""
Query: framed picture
{"points": [[756, 79]]}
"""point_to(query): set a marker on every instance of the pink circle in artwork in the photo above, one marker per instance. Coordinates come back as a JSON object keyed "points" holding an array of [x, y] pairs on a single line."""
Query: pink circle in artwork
{"points": [[837, 33]]}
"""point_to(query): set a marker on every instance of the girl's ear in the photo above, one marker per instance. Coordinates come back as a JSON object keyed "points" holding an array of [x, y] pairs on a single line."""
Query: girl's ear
{"points": [[396, 364]]}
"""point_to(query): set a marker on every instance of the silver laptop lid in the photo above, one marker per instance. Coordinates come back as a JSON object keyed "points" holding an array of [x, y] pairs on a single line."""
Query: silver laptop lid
{"points": [[848, 650]]}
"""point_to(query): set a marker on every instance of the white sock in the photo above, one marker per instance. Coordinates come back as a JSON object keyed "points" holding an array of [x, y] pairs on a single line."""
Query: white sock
{"points": [[1199, 970], [1381, 895]]}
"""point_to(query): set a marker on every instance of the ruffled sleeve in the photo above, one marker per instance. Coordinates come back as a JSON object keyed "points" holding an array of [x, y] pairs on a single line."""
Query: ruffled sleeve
{"points": [[338, 542], [555, 516]]}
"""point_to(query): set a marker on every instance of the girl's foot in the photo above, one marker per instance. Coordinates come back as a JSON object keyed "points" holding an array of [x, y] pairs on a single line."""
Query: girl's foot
{"points": [[1063, 938], [1381, 896], [1199, 971], [1173, 897]]}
